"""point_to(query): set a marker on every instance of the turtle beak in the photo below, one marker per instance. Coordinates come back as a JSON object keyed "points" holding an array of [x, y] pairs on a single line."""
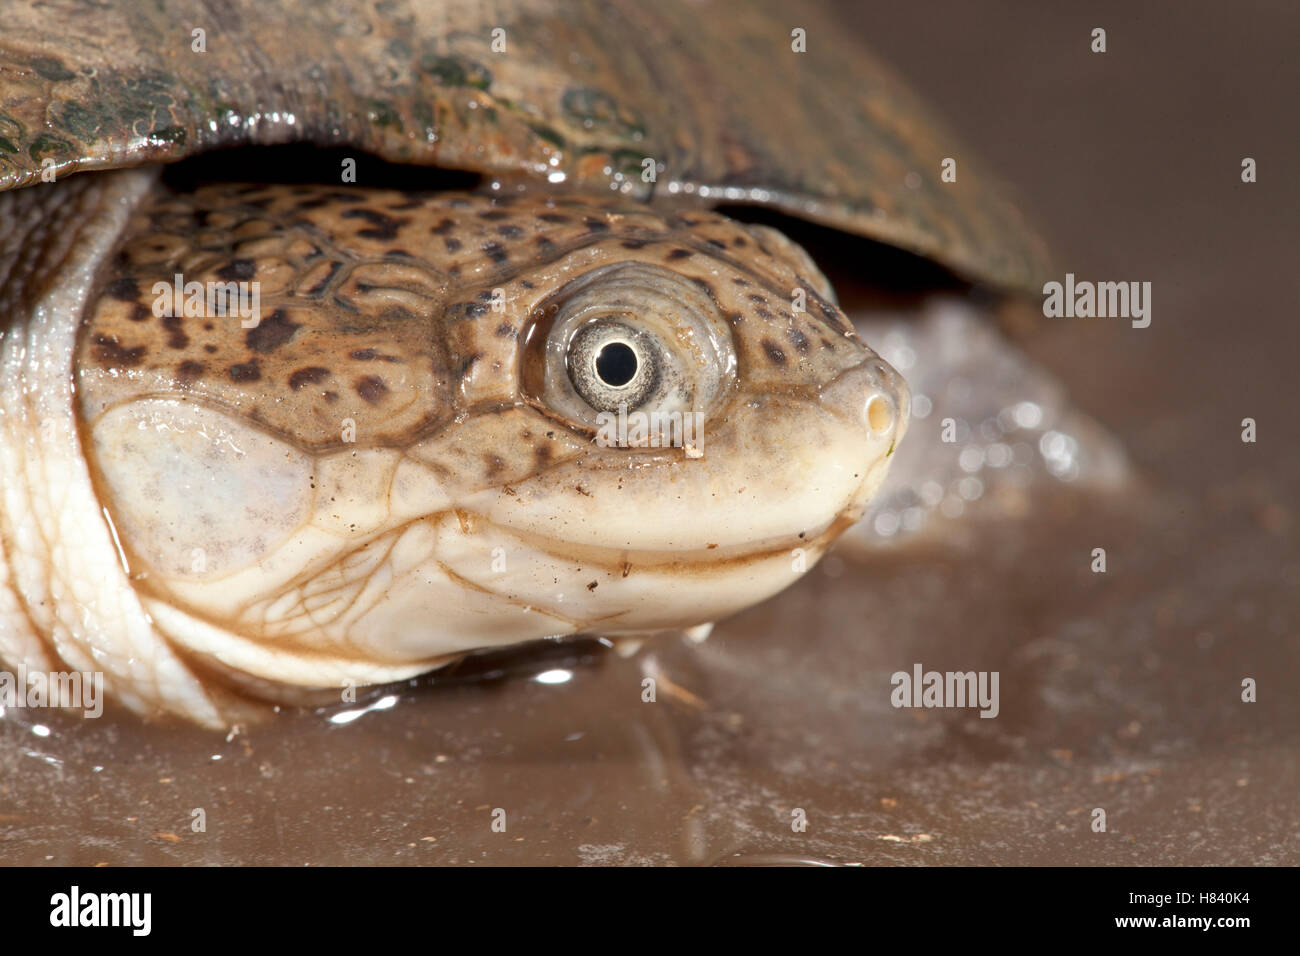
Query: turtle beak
{"points": [[873, 397]]}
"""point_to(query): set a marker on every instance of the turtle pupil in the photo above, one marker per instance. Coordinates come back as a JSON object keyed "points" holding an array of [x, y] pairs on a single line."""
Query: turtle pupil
{"points": [[616, 364]]}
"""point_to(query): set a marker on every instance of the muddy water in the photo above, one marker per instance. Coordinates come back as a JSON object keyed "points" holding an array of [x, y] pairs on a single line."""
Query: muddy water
{"points": [[1118, 691]]}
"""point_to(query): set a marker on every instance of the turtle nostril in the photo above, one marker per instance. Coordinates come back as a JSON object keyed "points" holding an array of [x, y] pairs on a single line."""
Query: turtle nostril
{"points": [[871, 397], [880, 414]]}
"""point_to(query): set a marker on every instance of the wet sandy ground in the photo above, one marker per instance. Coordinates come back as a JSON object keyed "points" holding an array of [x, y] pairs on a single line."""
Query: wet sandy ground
{"points": [[1119, 691]]}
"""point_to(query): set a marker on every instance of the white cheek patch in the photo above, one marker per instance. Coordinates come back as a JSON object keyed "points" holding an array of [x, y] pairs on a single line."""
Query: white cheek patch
{"points": [[353, 491], [194, 495], [428, 608]]}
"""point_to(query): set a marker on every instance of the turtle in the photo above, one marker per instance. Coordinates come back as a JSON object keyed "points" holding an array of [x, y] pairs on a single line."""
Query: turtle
{"points": [[262, 440]]}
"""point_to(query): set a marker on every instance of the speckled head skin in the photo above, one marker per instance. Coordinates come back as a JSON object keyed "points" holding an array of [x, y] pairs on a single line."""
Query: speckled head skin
{"points": [[394, 466]]}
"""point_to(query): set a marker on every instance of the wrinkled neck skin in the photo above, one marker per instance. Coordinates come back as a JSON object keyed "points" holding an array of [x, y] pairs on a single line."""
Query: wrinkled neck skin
{"points": [[386, 473], [66, 602]]}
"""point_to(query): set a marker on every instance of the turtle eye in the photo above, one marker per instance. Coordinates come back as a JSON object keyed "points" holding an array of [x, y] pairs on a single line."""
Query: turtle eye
{"points": [[611, 364], [626, 336]]}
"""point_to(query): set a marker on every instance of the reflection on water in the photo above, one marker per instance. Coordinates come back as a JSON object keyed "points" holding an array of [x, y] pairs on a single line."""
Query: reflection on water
{"points": [[987, 424]]}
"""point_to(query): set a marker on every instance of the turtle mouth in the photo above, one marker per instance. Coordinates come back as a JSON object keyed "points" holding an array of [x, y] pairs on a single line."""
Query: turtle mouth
{"points": [[706, 556]]}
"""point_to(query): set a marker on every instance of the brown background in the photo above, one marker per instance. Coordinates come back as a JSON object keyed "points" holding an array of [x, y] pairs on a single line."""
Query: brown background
{"points": [[1119, 691]]}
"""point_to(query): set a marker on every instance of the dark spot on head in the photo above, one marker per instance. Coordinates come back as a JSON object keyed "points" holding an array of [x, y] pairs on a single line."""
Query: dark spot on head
{"points": [[399, 253], [823, 306], [633, 243], [553, 217], [739, 242], [717, 244], [381, 226], [735, 318], [210, 349], [444, 227], [526, 284], [110, 353], [761, 312], [680, 254], [308, 376], [544, 244], [760, 299], [125, 289], [595, 225], [493, 465], [371, 388], [509, 232], [706, 287], [452, 244], [364, 355], [237, 270], [51, 69], [189, 370], [798, 339], [245, 372], [774, 353], [496, 252], [592, 586], [176, 337], [271, 332], [493, 215], [739, 281], [505, 330], [474, 310], [140, 313]]}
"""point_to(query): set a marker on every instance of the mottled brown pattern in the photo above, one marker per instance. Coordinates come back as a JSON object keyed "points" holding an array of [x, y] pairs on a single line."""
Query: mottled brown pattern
{"points": [[712, 93], [396, 343]]}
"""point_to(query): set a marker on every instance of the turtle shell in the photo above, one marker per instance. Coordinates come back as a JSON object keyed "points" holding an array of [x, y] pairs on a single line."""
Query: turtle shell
{"points": [[704, 102]]}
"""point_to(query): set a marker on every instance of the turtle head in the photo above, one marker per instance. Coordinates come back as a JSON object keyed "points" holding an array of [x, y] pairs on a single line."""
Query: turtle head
{"points": [[460, 422], [730, 422]]}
